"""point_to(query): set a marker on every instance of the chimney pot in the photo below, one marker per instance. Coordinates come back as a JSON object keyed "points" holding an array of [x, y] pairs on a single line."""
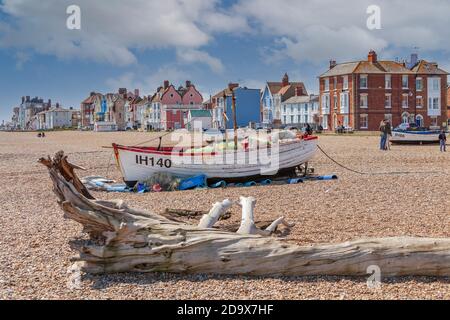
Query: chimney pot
{"points": [[332, 64], [372, 57], [166, 84], [188, 83]]}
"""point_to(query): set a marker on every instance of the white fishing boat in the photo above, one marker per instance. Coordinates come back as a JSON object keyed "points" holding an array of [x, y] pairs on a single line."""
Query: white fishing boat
{"points": [[139, 163], [415, 136]]}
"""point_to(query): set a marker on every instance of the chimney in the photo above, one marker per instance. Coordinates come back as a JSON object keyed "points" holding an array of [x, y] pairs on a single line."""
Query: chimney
{"points": [[188, 83], [372, 57], [23, 99], [285, 80], [136, 92], [299, 91], [166, 84], [57, 105], [232, 86], [332, 64]]}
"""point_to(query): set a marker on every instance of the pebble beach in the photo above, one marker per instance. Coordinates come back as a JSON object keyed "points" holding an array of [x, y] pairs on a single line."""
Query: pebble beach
{"points": [[404, 192]]}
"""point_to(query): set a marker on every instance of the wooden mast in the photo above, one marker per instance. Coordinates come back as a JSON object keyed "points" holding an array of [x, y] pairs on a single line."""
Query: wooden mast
{"points": [[233, 107]]}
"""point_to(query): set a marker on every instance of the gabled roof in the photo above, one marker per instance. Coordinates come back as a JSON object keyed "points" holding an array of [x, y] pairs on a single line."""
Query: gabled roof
{"points": [[297, 99], [278, 88], [425, 67], [362, 67]]}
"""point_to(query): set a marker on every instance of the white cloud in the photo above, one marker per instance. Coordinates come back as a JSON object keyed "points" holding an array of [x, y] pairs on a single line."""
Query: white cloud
{"points": [[197, 56], [314, 31], [112, 29], [148, 83]]}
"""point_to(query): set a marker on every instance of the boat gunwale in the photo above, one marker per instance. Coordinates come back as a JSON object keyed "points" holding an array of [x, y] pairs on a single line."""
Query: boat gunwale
{"points": [[178, 152]]}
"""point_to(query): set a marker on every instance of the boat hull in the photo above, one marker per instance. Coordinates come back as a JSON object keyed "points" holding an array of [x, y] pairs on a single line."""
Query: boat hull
{"points": [[415, 137], [138, 164]]}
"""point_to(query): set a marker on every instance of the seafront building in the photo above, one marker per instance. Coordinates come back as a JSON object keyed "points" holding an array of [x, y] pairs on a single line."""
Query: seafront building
{"points": [[24, 115], [362, 93], [247, 106], [172, 105], [55, 118], [274, 95], [300, 110]]}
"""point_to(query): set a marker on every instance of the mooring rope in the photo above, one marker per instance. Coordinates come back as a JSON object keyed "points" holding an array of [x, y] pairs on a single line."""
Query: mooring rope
{"points": [[378, 173]]}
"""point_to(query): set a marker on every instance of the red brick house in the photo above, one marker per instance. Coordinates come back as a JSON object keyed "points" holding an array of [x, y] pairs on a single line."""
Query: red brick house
{"points": [[174, 104], [360, 94], [448, 105]]}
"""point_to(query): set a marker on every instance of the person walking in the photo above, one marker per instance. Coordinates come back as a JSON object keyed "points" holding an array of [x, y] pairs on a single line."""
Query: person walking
{"points": [[442, 141], [388, 133], [383, 135]]}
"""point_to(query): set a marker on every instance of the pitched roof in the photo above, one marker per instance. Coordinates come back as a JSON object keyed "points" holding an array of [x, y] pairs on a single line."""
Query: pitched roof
{"points": [[298, 99], [277, 87], [425, 67], [200, 113], [340, 69]]}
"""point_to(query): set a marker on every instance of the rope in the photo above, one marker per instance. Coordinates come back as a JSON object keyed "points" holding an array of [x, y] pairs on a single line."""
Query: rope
{"points": [[109, 165], [378, 173]]}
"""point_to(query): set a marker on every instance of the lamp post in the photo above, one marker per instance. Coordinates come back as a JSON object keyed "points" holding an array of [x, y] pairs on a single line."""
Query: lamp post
{"points": [[224, 115]]}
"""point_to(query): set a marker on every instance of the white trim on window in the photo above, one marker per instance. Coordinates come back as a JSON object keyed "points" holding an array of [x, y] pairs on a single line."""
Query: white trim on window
{"points": [[386, 105], [361, 77], [364, 121], [388, 81], [366, 100]]}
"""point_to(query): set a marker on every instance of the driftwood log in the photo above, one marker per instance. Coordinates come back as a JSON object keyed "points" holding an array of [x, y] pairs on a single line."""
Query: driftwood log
{"points": [[125, 239]]}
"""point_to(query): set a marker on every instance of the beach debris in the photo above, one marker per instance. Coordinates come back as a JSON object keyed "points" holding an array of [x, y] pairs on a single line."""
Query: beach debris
{"points": [[123, 239]]}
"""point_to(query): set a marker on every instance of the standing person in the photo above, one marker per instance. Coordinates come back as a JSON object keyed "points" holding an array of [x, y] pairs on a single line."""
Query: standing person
{"points": [[442, 141], [308, 129], [383, 135], [388, 133]]}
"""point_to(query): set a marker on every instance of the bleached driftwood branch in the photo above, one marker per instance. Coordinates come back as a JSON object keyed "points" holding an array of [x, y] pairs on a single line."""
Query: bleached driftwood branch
{"points": [[125, 239]]}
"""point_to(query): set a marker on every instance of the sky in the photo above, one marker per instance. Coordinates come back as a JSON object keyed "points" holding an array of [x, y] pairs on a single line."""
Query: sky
{"points": [[141, 43]]}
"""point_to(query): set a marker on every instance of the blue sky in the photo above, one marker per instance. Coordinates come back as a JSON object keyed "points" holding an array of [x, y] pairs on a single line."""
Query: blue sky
{"points": [[140, 43]]}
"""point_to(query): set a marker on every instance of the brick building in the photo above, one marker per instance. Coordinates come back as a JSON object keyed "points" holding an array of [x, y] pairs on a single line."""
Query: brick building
{"points": [[360, 94]]}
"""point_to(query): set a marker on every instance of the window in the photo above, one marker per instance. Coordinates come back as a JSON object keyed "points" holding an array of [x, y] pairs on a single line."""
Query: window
{"points": [[419, 85], [292, 119], [388, 81], [345, 85], [434, 121], [405, 81], [419, 102], [363, 103], [306, 118], [433, 103], [405, 100], [298, 119], [363, 121], [327, 84], [363, 82], [388, 101], [336, 102], [325, 122], [284, 109], [344, 102], [306, 107], [435, 84], [345, 121], [292, 109], [284, 119], [325, 103], [335, 83]]}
